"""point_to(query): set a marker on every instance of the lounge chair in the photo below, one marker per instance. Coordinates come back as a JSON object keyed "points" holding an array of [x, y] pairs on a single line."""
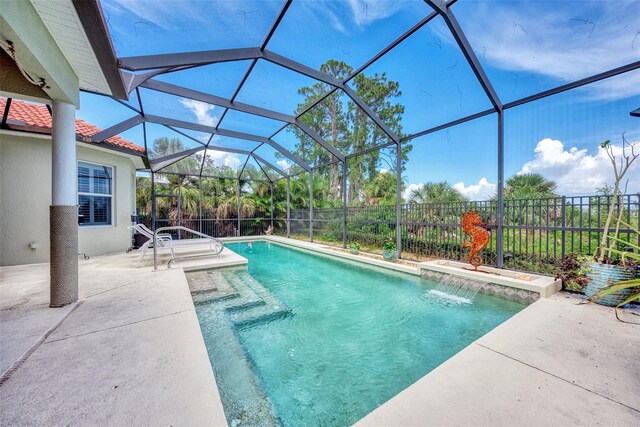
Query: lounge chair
{"points": [[165, 241]]}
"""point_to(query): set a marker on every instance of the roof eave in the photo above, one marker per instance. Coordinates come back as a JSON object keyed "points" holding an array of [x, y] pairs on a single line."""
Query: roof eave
{"points": [[95, 27], [11, 125]]}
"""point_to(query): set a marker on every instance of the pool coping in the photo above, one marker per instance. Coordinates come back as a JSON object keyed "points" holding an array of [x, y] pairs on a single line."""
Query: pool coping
{"points": [[530, 285], [543, 285], [325, 250]]}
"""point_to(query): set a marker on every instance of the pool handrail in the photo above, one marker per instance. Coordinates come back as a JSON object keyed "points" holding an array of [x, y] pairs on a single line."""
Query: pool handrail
{"points": [[216, 245]]}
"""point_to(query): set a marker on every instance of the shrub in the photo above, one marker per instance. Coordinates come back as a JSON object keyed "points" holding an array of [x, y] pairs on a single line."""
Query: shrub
{"points": [[389, 246], [573, 272]]}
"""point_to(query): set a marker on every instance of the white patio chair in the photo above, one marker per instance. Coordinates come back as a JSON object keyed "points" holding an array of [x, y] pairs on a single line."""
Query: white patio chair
{"points": [[164, 240]]}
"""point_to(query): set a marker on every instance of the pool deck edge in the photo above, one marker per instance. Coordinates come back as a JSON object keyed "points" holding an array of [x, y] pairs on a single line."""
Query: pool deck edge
{"points": [[544, 285], [553, 363], [130, 354], [323, 249]]}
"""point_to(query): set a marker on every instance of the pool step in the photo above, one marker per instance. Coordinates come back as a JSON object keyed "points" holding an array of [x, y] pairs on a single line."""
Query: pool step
{"points": [[245, 301], [271, 309], [239, 298], [245, 403], [206, 287]]}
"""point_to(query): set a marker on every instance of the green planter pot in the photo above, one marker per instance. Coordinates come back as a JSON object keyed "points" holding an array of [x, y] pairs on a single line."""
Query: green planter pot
{"points": [[391, 256], [603, 275], [354, 251]]}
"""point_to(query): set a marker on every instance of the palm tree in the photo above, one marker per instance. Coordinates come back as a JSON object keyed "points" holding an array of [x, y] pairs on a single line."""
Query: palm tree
{"points": [[228, 207], [164, 146], [436, 192], [441, 201], [261, 196], [381, 190], [213, 192], [321, 192], [529, 186], [189, 194], [143, 194], [527, 200], [299, 193]]}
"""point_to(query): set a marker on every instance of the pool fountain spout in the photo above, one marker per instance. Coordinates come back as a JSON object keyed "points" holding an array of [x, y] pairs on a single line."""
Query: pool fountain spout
{"points": [[454, 289]]}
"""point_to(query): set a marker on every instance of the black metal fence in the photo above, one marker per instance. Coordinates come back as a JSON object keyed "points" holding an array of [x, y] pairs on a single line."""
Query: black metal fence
{"points": [[218, 227], [539, 232], [536, 232]]}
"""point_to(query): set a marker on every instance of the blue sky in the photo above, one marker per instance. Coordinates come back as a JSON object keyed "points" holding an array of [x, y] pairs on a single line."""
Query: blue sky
{"points": [[524, 46]]}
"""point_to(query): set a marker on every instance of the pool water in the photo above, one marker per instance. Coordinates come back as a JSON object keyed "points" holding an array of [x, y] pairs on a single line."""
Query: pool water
{"points": [[337, 341]]}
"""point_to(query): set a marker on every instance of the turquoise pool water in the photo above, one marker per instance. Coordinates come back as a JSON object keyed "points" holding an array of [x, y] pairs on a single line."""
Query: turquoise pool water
{"points": [[333, 340]]}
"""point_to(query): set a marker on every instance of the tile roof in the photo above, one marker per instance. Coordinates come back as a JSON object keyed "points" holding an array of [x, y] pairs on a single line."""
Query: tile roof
{"points": [[36, 118]]}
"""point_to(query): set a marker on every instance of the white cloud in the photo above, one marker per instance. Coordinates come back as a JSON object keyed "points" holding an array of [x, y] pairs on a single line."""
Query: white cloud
{"points": [[408, 192], [577, 172], [383, 170], [556, 42], [345, 16], [203, 16], [365, 12], [154, 12], [335, 21], [221, 158], [232, 161], [201, 110], [284, 165], [483, 190]]}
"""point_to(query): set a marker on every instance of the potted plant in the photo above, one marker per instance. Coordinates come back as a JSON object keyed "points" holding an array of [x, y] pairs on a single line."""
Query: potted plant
{"points": [[608, 266], [630, 288], [390, 252], [354, 248]]}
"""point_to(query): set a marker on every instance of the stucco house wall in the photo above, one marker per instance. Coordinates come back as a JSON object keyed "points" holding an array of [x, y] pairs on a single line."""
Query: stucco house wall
{"points": [[25, 196]]}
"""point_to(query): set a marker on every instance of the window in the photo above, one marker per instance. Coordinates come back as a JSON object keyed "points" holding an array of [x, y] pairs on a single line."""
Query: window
{"points": [[95, 193]]}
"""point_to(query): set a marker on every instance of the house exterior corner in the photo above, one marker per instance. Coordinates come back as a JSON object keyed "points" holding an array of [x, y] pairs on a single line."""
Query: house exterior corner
{"points": [[25, 196]]}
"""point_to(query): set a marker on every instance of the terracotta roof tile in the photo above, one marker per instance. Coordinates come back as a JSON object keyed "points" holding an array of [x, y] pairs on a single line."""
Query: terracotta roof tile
{"points": [[37, 118]]}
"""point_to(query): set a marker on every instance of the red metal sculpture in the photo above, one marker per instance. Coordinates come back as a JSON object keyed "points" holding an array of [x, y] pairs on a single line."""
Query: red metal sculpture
{"points": [[475, 228]]}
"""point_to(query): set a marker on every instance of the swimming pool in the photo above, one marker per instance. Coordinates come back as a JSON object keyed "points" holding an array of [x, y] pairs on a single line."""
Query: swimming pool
{"points": [[299, 339]]}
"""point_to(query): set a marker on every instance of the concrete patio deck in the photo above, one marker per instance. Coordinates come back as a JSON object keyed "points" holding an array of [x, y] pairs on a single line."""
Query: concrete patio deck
{"points": [[555, 363], [129, 353]]}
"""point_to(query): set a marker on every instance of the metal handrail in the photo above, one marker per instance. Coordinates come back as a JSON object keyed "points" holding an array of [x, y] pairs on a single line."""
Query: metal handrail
{"points": [[176, 227]]}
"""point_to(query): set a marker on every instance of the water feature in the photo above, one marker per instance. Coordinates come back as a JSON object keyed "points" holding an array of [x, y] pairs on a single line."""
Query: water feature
{"points": [[454, 289]]}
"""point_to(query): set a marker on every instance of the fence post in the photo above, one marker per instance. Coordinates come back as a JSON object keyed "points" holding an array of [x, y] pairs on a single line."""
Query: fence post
{"points": [[399, 199], [153, 202], [238, 209], [200, 205], [564, 226], [288, 206], [272, 206], [500, 205], [179, 210], [344, 204], [638, 209], [311, 205]]}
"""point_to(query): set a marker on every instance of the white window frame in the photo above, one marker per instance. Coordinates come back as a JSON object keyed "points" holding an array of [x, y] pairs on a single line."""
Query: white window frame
{"points": [[113, 190]]}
